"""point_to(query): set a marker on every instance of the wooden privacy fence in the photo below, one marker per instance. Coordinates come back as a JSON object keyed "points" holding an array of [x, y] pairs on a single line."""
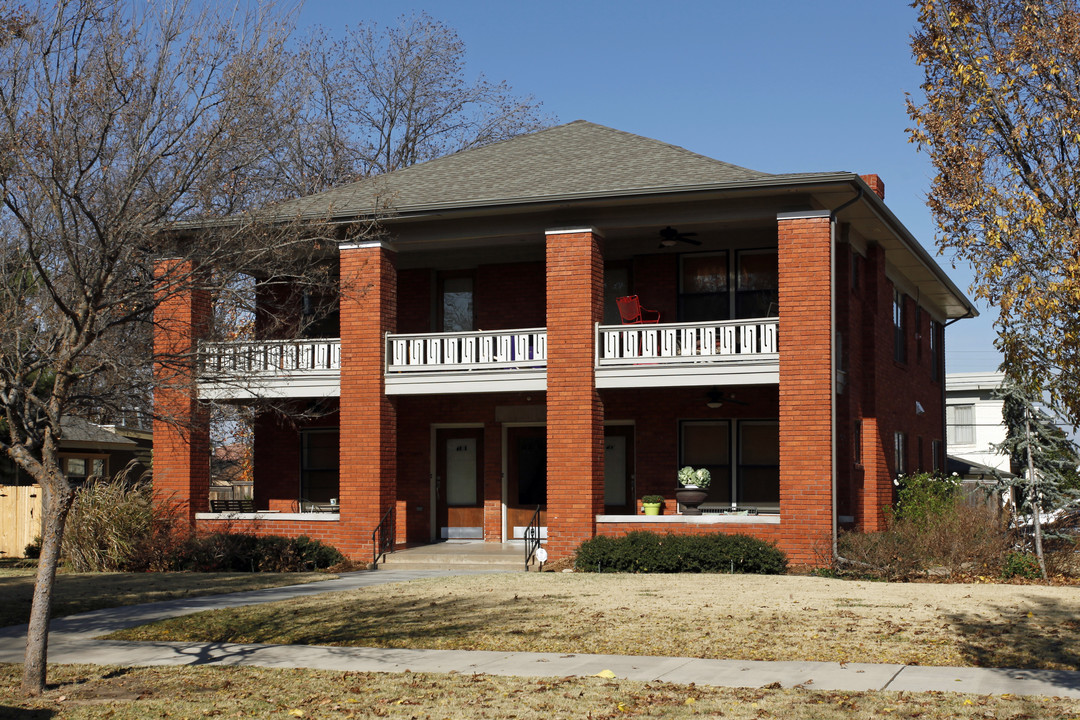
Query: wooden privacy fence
{"points": [[20, 518]]}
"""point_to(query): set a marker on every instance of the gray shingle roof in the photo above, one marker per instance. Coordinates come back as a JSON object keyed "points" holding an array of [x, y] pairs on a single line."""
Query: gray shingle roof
{"points": [[77, 430], [577, 159]]}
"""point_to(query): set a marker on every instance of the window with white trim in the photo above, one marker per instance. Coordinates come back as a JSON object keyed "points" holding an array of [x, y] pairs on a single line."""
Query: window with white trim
{"points": [[960, 424]]}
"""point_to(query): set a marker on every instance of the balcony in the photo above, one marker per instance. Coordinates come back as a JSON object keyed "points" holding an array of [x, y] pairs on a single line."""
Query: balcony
{"points": [[270, 368], [467, 362], [740, 352]]}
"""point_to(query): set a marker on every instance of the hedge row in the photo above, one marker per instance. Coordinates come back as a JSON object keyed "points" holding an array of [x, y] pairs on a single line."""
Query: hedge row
{"points": [[648, 552]]}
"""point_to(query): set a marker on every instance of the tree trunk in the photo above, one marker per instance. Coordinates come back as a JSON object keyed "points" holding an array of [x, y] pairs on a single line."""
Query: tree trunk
{"points": [[1033, 489], [55, 505]]}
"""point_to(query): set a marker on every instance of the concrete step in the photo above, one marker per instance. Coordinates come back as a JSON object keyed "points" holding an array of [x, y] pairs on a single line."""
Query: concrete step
{"points": [[457, 556]]}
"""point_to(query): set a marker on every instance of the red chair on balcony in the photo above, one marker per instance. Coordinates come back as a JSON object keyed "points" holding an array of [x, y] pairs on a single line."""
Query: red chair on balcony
{"points": [[632, 313]]}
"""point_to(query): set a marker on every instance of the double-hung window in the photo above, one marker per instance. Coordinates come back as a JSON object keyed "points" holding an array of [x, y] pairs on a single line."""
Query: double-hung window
{"points": [[960, 424]]}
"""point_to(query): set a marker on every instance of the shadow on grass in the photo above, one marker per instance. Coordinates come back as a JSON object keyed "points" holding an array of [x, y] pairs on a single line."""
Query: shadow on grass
{"points": [[1043, 633], [83, 592], [353, 619], [14, 713]]}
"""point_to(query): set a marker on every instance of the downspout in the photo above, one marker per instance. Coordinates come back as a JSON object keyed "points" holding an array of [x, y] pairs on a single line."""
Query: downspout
{"points": [[832, 356]]}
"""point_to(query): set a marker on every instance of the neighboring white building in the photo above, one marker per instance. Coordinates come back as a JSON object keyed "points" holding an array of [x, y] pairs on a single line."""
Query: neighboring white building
{"points": [[973, 418]]}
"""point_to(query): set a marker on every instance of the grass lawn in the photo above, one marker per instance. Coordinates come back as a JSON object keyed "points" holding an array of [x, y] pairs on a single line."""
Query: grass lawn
{"points": [[80, 592], [712, 616], [185, 692]]}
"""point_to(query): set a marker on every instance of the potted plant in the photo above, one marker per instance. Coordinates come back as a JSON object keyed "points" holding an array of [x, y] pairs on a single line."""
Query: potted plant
{"points": [[650, 504], [693, 489]]}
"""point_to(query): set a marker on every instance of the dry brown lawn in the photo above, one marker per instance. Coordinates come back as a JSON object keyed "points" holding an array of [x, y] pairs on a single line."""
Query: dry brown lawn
{"points": [[83, 693], [80, 592], [711, 616]]}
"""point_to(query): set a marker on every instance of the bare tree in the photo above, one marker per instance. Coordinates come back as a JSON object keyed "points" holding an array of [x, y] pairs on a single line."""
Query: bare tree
{"points": [[380, 99], [139, 144], [122, 124]]}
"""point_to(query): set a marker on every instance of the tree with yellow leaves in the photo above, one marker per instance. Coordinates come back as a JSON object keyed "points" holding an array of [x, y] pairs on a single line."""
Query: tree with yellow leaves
{"points": [[1001, 123]]}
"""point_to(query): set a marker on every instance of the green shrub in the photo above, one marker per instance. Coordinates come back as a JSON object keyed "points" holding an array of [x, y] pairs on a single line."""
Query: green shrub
{"points": [[923, 497], [1021, 565], [241, 552], [642, 551], [32, 551]]}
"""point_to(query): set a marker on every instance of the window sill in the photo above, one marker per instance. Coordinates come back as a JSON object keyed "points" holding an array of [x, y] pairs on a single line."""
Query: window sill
{"points": [[763, 519], [270, 516]]}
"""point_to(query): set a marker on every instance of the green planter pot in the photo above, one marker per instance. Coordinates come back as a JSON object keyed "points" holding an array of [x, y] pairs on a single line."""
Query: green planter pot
{"points": [[651, 508]]}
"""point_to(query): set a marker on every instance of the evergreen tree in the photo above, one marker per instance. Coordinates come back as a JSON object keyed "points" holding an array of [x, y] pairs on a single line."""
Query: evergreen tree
{"points": [[1044, 458]]}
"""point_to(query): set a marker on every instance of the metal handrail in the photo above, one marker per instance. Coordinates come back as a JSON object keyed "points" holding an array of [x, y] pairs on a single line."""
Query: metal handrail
{"points": [[532, 537], [382, 538]]}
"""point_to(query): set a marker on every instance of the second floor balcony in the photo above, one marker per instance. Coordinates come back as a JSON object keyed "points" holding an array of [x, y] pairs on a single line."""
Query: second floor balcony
{"points": [[656, 355]]}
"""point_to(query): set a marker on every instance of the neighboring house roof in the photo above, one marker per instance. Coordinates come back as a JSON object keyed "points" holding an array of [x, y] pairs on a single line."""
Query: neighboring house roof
{"points": [[973, 382], [969, 469], [79, 434]]}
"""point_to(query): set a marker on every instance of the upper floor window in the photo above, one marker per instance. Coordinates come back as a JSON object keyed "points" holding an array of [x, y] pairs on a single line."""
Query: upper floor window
{"points": [[455, 302], [960, 424], [935, 350], [899, 328], [703, 287], [707, 279]]}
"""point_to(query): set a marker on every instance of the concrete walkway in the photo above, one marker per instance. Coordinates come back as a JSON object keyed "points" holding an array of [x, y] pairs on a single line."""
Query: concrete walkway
{"points": [[74, 640]]}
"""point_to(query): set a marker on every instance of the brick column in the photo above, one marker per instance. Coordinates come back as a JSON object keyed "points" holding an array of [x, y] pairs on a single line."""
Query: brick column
{"points": [[181, 423], [368, 429], [805, 383], [575, 415]]}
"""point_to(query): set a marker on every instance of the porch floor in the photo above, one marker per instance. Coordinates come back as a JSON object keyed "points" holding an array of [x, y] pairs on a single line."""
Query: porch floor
{"points": [[457, 555]]}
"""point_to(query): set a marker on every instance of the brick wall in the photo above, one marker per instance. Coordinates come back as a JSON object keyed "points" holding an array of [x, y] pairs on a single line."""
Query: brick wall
{"points": [[655, 279], [883, 392], [805, 384], [415, 293], [510, 295], [181, 424], [575, 438]]}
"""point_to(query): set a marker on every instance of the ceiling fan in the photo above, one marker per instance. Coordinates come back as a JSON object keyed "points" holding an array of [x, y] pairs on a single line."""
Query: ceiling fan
{"points": [[715, 398], [669, 236]]}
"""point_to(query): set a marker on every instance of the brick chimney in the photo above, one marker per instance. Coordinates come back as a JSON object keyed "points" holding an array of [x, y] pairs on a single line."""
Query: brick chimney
{"points": [[876, 184]]}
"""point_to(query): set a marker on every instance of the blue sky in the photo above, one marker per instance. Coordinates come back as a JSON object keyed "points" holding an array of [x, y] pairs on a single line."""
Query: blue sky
{"points": [[773, 85]]}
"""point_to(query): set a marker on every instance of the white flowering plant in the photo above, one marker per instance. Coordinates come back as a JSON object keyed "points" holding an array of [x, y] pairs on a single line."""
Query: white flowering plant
{"points": [[699, 477]]}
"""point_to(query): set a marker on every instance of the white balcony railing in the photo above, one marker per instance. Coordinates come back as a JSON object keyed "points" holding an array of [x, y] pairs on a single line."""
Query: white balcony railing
{"points": [[269, 357], [522, 349], [686, 343]]}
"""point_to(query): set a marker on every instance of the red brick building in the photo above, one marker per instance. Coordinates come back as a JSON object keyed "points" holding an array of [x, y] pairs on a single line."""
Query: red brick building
{"points": [[477, 369]]}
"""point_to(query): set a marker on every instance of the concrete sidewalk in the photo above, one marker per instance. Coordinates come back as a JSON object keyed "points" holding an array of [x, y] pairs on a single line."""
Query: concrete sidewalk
{"points": [[74, 640]]}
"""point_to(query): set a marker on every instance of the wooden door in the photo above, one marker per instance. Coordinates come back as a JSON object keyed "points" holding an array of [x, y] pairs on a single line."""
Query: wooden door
{"points": [[459, 486], [619, 470], [526, 478]]}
